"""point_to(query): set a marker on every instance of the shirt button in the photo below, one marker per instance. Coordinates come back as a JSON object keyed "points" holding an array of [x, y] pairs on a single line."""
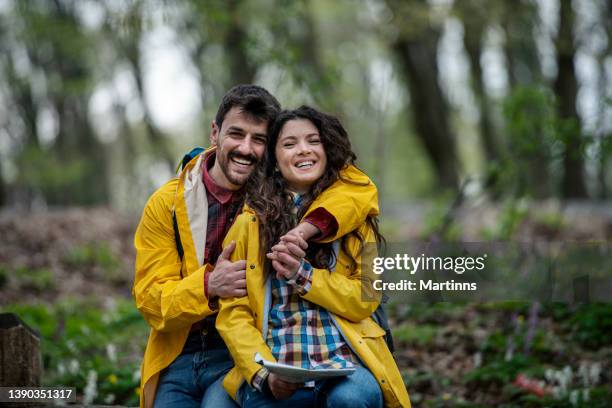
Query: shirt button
{"points": [[253, 219], [252, 266]]}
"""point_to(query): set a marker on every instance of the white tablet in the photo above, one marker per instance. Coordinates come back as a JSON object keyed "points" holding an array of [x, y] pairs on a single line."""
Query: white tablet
{"points": [[295, 374]]}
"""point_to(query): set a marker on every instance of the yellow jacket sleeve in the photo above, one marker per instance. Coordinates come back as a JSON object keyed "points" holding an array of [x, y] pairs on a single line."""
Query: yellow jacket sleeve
{"points": [[347, 293], [166, 300], [236, 320], [349, 200]]}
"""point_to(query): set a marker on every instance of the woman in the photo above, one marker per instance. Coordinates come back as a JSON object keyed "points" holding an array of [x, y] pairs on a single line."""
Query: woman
{"points": [[304, 308]]}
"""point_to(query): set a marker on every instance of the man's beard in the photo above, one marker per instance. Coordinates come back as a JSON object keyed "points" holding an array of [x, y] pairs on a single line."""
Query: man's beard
{"points": [[225, 164]]}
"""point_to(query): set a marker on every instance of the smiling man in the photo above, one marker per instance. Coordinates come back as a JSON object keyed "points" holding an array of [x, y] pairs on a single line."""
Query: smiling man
{"points": [[176, 291]]}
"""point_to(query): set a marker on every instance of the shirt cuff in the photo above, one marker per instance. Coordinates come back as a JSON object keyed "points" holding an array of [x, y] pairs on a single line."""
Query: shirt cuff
{"points": [[302, 280], [213, 303], [206, 276], [259, 379], [324, 221]]}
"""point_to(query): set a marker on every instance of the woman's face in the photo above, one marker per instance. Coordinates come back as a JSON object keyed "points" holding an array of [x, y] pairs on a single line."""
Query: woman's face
{"points": [[300, 155]]}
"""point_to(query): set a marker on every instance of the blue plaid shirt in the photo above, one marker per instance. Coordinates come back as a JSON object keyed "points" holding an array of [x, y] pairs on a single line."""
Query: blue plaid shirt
{"points": [[301, 333]]}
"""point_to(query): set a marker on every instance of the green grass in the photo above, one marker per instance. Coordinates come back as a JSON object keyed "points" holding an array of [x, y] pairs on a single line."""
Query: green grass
{"points": [[79, 338]]}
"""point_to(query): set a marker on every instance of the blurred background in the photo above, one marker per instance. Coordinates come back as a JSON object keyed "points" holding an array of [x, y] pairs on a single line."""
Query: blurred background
{"points": [[479, 120]]}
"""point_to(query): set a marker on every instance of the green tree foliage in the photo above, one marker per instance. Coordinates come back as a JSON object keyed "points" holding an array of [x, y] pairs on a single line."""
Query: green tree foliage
{"points": [[376, 64]]}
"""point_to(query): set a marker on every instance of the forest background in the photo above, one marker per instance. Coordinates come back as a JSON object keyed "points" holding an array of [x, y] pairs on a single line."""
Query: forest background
{"points": [[479, 120]]}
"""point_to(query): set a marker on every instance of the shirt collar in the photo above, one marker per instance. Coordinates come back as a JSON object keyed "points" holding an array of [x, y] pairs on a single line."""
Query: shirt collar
{"points": [[221, 194]]}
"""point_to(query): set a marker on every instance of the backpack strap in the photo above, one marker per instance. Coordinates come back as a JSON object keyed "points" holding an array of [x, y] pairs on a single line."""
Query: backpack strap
{"points": [[177, 239], [188, 156], [380, 317]]}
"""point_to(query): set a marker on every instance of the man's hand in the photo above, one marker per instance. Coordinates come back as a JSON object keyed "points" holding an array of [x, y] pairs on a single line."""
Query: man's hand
{"points": [[287, 255], [280, 388], [228, 279]]}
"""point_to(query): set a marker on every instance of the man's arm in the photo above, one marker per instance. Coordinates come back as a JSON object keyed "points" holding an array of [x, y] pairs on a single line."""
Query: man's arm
{"points": [[167, 300]]}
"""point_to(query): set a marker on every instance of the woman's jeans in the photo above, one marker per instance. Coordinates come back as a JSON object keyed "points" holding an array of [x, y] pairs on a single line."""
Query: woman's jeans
{"points": [[359, 390], [196, 380]]}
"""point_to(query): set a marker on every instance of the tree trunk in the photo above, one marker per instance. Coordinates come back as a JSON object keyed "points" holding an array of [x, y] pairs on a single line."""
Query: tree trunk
{"points": [[235, 43], [474, 26], [566, 90], [518, 19], [130, 47], [417, 57], [20, 360], [604, 139]]}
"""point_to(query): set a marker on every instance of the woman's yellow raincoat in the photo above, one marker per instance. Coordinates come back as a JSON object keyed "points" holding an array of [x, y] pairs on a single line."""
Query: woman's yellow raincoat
{"points": [[242, 320]]}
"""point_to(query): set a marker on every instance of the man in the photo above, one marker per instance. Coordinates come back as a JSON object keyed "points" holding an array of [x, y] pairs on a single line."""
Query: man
{"points": [[186, 359]]}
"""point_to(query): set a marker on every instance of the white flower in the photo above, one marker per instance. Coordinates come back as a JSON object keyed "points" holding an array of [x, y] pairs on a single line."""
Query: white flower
{"points": [[136, 375], [583, 373], [61, 368], [71, 346], [594, 373], [477, 359], [73, 366], [550, 375], [109, 399], [111, 352], [573, 397], [91, 388]]}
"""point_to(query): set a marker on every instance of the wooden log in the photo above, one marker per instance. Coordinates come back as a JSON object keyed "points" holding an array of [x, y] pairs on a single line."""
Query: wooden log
{"points": [[20, 358]]}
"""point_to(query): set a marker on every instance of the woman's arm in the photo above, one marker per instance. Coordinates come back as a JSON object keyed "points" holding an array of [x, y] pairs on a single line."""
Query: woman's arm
{"points": [[350, 200], [346, 292], [237, 326]]}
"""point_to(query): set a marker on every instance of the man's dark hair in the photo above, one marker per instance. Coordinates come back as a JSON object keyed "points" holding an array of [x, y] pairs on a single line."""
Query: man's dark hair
{"points": [[251, 99]]}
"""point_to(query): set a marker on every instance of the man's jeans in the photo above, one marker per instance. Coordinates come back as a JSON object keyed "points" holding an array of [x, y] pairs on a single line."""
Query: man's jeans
{"points": [[359, 390], [195, 380]]}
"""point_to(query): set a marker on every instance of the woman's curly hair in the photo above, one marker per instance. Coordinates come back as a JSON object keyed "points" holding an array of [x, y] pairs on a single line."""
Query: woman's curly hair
{"points": [[268, 196]]}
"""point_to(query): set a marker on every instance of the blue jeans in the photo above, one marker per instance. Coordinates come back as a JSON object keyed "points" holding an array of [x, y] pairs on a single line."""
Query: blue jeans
{"points": [[359, 390], [195, 380]]}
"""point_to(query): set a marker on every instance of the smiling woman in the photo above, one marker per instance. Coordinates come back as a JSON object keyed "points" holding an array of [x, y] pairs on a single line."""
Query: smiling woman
{"points": [[304, 304]]}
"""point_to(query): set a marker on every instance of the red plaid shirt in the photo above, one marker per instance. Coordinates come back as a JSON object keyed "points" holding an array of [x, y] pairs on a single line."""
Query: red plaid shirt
{"points": [[223, 204]]}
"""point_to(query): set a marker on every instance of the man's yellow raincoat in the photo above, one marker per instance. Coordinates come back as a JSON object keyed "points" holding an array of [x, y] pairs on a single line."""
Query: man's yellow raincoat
{"points": [[242, 321], [170, 293]]}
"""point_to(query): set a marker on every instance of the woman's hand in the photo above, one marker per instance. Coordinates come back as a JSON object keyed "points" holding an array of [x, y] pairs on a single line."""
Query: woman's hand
{"points": [[287, 255], [280, 388], [305, 230]]}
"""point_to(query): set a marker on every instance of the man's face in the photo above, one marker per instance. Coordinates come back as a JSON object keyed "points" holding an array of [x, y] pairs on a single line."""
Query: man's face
{"points": [[241, 142]]}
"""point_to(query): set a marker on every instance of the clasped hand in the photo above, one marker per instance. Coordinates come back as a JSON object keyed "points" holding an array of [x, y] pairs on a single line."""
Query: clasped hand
{"points": [[288, 253]]}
